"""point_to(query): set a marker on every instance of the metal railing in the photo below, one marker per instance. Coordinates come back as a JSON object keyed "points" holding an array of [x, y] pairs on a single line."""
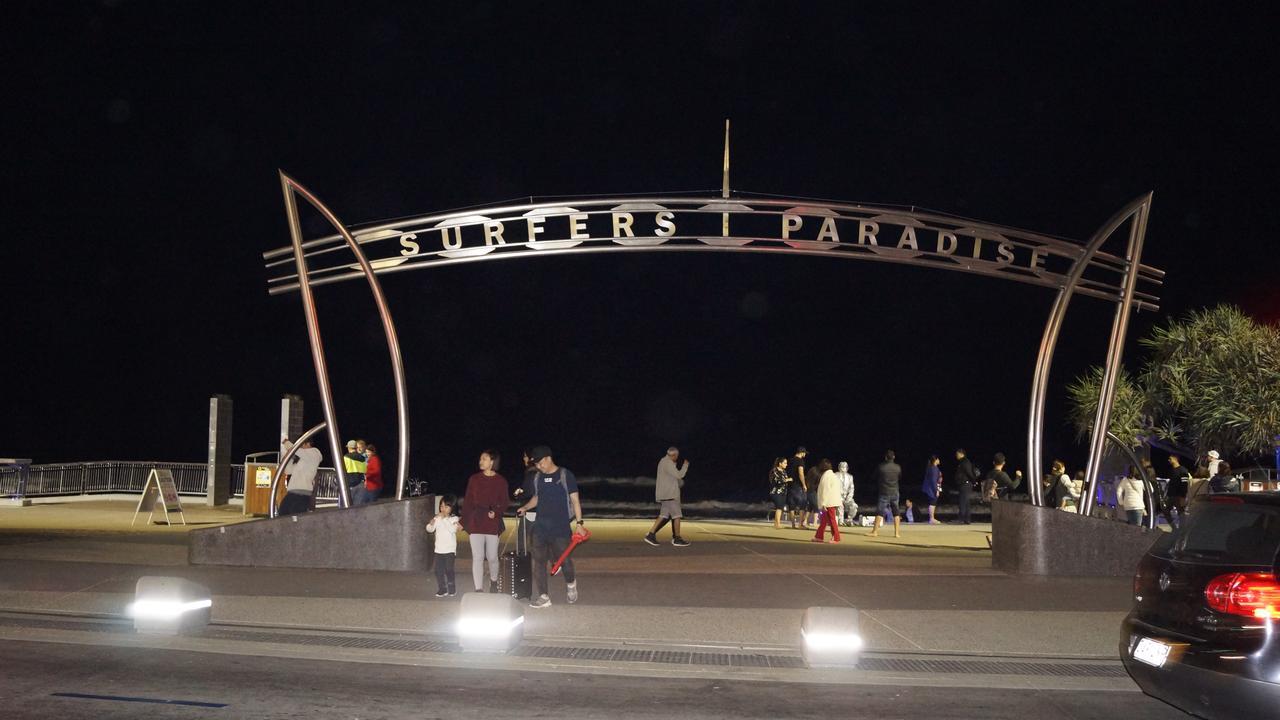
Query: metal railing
{"points": [[113, 476]]}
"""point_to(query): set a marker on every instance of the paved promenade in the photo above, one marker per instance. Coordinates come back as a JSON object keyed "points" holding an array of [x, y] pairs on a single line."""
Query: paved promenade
{"points": [[741, 583]]}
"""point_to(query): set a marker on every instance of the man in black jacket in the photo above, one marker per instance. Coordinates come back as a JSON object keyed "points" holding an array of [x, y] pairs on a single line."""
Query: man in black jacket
{"points": [[965, 477]]}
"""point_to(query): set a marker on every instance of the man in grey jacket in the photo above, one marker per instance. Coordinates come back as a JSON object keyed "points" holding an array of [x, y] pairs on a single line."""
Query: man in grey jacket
{"points": [[666, 492]]}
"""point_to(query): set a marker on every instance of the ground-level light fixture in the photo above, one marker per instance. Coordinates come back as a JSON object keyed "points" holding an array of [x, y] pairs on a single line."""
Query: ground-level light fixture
{"points": [[830, 637], [169, 605], [490, 622]]}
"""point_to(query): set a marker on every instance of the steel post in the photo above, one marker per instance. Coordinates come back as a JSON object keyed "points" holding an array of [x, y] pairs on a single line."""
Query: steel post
{"points": [[388, 328], [1049, 341], [1115, 352]]}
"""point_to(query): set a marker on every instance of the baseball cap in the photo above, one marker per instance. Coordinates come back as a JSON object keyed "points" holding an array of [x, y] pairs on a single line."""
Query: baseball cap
{"points": [[539, 452], [1214, 454]]}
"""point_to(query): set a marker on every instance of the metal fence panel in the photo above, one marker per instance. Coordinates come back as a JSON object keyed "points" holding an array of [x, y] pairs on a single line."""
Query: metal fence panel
{"points": [[113, 476]]}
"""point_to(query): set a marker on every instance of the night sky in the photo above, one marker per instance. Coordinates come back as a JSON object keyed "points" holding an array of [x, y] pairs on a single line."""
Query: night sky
{"points": [[143, 141]]}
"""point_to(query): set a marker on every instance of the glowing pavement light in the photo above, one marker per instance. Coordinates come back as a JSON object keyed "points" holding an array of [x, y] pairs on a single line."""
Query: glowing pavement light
{"points": [[490, 622], [169, 605], [830, 637]]}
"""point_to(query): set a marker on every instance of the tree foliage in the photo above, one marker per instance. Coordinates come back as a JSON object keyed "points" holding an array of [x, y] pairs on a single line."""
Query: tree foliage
{"points": [[1211, 381], [1128, 410]]}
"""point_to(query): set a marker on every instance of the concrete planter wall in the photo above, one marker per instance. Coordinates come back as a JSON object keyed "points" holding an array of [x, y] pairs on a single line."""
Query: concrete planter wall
{"points": [[1029, 540], [387, 535]]}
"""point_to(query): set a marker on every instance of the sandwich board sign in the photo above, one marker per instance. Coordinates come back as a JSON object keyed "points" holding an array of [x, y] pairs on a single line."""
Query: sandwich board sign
{"points": [[160, 487]]}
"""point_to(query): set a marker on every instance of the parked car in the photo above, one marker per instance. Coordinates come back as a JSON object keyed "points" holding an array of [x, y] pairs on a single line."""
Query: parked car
{"points": [[1204, 632]]}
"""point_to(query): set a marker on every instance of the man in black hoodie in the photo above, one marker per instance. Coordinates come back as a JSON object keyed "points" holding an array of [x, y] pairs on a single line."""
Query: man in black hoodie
{"points": [[965, 476]]}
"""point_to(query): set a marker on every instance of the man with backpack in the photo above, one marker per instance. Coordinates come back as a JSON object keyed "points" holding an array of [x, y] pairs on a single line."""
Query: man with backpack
{"points": [[555, 496]]}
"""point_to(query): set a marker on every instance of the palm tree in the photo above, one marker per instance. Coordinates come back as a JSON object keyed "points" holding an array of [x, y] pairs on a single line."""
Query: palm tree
{"points": [[1211, 381]]}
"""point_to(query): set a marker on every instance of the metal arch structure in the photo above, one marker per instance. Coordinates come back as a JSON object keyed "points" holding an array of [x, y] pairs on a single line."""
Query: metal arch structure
{"points": [[759, 225], [291, 188]]}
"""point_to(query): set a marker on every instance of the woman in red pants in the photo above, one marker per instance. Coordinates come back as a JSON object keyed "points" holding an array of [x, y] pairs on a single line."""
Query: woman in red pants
{"points": [[829, 501]]}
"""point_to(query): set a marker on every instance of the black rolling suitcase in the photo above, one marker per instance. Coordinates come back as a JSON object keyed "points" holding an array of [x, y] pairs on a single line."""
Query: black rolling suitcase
{"points": [[516, 576]]}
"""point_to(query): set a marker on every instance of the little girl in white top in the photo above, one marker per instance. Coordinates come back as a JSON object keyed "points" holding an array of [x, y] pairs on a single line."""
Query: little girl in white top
{"points": [[445, 527]]}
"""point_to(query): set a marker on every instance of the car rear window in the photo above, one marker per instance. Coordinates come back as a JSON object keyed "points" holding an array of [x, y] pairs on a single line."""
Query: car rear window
{"points": [[1231, 533]]}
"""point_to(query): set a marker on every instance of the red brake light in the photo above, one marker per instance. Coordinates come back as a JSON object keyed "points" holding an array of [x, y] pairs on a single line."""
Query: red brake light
{"points": [[1252, 595]]}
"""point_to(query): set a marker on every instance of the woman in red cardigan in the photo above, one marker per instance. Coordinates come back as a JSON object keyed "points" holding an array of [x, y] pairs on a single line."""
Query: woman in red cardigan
{"points": [[482, 509]]}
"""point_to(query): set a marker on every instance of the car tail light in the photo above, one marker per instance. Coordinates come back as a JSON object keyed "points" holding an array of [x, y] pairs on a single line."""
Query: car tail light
{"points": [[1253, 595]]}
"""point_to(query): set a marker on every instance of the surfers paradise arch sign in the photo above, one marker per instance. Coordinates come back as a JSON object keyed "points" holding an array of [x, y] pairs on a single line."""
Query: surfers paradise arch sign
{"points": [[726, 223]]}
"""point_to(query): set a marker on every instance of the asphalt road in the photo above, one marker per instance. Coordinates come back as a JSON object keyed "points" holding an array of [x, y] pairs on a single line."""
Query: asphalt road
{"points": [[46, 680]]}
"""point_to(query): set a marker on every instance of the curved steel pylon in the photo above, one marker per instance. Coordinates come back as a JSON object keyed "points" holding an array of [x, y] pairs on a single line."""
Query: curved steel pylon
{"points": [[290, 187], [1138, 210]]}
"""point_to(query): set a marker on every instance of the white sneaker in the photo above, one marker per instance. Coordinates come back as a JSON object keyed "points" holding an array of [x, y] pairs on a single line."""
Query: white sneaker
{"points": [[572, 589], [542, 602]]}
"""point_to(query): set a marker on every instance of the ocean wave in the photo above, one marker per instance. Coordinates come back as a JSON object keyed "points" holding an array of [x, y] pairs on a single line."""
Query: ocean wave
{"points": [[641, 481]]}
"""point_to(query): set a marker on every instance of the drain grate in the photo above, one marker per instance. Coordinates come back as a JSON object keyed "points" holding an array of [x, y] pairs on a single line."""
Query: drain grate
{"points": [[41, 623], [988, 667]]}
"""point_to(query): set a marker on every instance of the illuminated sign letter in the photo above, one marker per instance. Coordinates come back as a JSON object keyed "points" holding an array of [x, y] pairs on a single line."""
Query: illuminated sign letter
{"points": [[947, 243], [457, 237], [535, 227], [578, 227], [493, 232], [407, 244], [666, 228], [867, 230], [977, 247], [908, 238], [1005, 252], [789, 223], [622, 224], [828, 231]]}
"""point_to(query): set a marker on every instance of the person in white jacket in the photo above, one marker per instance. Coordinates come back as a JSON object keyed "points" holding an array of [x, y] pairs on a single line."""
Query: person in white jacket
{"points": [[1131, 496], [829, 500], [848, 508]]}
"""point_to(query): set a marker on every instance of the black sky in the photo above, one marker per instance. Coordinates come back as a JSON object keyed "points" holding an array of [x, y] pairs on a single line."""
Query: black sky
{"points": [[143, 141]]}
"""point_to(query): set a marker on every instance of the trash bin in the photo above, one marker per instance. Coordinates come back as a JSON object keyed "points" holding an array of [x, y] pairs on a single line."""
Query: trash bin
{"points": [[257, 484]]}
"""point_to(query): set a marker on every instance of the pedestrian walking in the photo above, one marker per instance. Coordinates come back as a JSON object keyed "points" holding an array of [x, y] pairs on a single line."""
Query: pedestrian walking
{"points": [[778, 482], [302, 479], [888, 477], [848, 507], [666, 492], [1179, 484], [965, 477], [811, 478], [829, 500], [445, 526], [482, 508], [797, 496], [1131, 496], [997, 483], [932, 486], [555, 497], [525, 491]]}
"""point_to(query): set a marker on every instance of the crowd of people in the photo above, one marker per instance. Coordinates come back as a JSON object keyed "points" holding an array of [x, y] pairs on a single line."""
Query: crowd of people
{"points": [[816, 497], [811, 496]]}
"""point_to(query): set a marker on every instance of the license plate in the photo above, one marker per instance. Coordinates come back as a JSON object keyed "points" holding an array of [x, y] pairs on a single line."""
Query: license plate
{"points": [[1151, 652]]}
